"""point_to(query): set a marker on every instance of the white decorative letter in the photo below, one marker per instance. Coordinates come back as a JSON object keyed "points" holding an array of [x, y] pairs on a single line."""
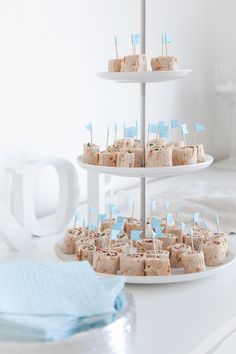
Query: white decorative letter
{"points": [[23, 195]]}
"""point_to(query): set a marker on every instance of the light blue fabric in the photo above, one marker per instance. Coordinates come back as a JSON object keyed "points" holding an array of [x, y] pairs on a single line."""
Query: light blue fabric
{"points": [[43, 301]]}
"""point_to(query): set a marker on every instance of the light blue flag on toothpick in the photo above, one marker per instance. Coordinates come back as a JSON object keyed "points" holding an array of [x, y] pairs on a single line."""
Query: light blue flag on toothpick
{"points": [[195, 218], [175, 123], [168, 39], [115, 128], [184, 129], [161, 123], [135, 235], [112, 209], [164, 131], [158, 232], [198, 128], [135, 38], [121, 219], [152, 128], [118, 226], [169, 218], [114, 234], [77, 218], [92, 210], [102, 217], [130, 132], [156, 223], [89, 126], [91, 227], [153, 204]]}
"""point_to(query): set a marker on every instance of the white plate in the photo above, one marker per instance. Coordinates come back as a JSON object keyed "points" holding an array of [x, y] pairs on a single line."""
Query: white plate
{"points": [[145, 76], [177, 274], [146, 171]]}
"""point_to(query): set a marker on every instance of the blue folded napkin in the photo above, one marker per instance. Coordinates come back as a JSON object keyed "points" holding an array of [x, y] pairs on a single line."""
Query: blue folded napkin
{"points": [[51, 300]]}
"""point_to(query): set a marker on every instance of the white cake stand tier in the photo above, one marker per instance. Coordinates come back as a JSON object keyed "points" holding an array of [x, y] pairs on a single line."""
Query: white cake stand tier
{"points": [[177, 274], [146, 76], [146, 171]]}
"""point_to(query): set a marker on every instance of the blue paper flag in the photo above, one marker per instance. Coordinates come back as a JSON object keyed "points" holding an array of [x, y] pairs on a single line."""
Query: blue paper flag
{"points": [[156, 223], [121, 219], [184, 129], [168, 39], [158, 231], [161, 123], [101, 217], [135, 38], [112, 208], [164, 131], [92, 210], [182, 227], [153, 204], [195, 218], [130, 132], [175, 123], [91, 227], [118, 226], [89, 126], [169, 218], [114, 234], [115, 127], [152, 128], [199, 128], [135, 235]]}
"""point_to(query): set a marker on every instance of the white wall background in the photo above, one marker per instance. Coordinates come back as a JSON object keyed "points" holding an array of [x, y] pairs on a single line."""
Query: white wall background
{"points": [[51, 51]]}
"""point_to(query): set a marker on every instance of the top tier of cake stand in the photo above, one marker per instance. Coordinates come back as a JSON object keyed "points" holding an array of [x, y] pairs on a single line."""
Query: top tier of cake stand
{"points": [[145, 76]]}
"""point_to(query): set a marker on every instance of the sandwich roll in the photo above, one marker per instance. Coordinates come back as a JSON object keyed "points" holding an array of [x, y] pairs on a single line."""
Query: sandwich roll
{"points": [[184, 156], [106, 158], [91, 154], [214, 253], [114, 65], [106, 261], [164, 64], [159, 157], [176, 254], [86, 253], [155, 266], [132, 264], [193, 262], [134, 63]]}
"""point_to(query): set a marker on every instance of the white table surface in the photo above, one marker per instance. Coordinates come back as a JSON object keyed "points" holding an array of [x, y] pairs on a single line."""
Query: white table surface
{"points": [[171, 319], [187, 313]]}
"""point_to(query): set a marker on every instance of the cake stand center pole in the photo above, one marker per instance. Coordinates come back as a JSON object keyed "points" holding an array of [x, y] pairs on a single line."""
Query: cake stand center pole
{"points": [[143, 121]]}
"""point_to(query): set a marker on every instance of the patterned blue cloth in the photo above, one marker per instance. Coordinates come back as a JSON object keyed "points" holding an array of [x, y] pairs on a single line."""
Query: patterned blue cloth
{"points": [[43, 301]]}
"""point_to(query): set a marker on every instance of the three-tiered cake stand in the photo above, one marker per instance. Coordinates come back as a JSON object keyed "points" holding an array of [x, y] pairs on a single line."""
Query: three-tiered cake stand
{"points": [[143, 78]]}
